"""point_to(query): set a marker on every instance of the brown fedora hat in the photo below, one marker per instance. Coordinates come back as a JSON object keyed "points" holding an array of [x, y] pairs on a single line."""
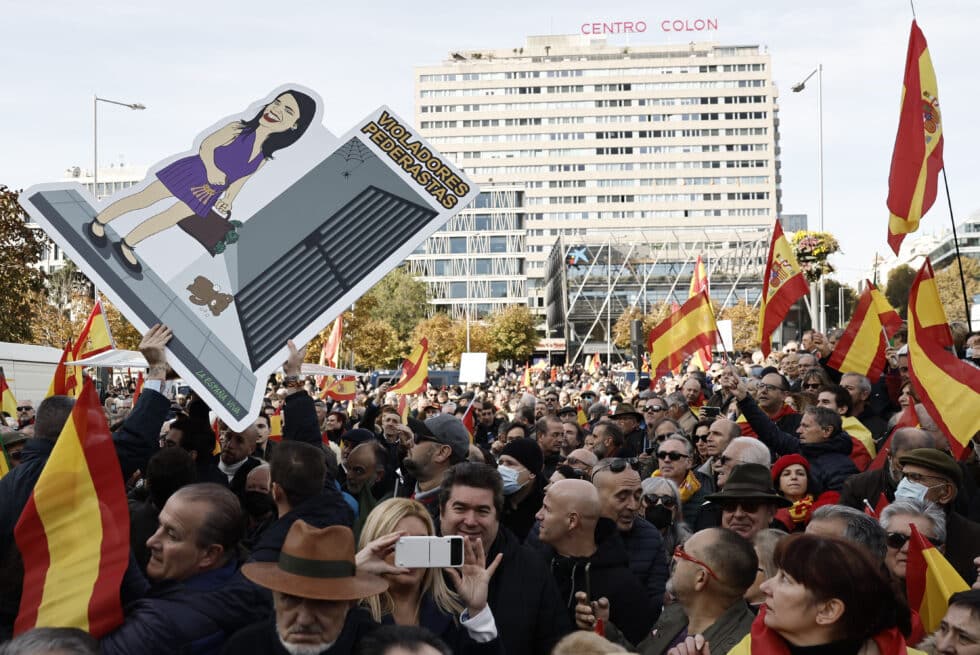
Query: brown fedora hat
{"points": [[625, 409], [749, 482], [316, 563]]}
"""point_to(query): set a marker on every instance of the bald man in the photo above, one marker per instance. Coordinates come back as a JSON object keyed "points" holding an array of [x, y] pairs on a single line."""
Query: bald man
{"points": [[236, 461], [582, 459], [587, 556]]}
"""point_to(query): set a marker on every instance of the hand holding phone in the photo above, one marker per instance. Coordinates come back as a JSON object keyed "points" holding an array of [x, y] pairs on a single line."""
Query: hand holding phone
{"points": [[429, 552]]}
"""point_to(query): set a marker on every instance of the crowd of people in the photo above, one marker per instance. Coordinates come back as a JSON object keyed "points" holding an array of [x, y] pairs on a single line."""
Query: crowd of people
{"points": [[747, 508]]}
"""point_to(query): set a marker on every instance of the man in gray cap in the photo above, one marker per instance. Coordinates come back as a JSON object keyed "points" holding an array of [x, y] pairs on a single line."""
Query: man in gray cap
{"points": [[13, 442], [440, 443], [932, 475]]}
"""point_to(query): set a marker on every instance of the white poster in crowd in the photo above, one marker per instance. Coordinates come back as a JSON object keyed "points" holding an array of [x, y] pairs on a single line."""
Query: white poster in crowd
{"points": [[265, 230], [473, 368], [725, 336]]}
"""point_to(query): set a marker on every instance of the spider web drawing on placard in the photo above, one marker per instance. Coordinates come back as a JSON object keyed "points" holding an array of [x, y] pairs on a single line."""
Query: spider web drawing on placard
{"points": [[355, 154]]}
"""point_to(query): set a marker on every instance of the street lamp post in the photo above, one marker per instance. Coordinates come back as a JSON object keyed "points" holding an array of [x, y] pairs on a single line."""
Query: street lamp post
{"points": [[817, 317], [95, 135]]}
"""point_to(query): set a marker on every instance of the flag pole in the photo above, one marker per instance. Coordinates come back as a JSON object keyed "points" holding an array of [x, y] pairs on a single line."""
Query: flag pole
{"points": [[956, 245]]}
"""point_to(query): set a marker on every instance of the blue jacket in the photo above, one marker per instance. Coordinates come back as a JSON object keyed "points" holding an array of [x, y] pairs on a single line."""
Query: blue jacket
{"points": [[648, 562], [193, 617], [136, 441], [830, 460]]}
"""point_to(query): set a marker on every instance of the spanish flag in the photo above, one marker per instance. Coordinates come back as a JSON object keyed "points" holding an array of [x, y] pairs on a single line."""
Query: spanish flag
{"points": [[699, 283], [415, 371], [7, 401], [945, 384], [331, 347], [95, 337], [861, 349], [685, 331], [930, 580], [403, 408], [782, 285], [918, 154], [468, 422], [139, 386], [74, 530], [67, 380], [342, 389]]}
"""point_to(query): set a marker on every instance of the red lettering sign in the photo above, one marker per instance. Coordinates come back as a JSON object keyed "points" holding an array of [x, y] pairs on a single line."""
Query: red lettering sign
{"points": [[688, 25], [618, 27]]}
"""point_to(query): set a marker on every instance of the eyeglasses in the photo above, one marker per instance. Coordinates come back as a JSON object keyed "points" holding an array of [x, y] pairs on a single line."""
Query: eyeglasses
{"points": [[24, 408], [671, 456], [896, 540], [698, 438], [617, 465], [922, 477], [748, 506], [667, 501], [649, 409], [770, 387], [724, 459], [680, 553], [814, 386]]}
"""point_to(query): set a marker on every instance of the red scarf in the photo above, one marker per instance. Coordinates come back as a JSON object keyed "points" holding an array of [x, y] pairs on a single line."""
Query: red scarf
{"points": [[763, 641]]}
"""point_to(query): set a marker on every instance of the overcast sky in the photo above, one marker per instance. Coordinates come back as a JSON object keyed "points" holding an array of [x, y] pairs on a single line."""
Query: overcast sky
{"points": [[193, 62]]}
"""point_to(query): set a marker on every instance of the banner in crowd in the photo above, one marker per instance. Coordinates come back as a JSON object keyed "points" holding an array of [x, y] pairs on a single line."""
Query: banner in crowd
{"points": [[265, 230]]}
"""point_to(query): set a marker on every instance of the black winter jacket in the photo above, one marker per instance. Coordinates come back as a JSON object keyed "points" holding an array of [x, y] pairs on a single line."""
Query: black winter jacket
{"points": [[605, 574]]}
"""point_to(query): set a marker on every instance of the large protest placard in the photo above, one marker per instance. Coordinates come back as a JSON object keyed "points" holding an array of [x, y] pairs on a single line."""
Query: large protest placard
{"points": [[266, 230]]}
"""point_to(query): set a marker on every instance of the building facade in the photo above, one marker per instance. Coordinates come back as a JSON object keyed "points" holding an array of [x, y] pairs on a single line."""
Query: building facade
{"points": [[609, 139]]}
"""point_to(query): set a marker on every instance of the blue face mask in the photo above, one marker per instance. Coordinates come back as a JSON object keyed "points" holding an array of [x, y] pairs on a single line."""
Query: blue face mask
{"points": [[913, 490], [509, 476]]}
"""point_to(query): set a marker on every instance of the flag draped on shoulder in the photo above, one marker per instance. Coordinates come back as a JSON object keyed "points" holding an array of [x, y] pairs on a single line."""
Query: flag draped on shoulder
{"points": [[415, 371], [944, 383], [67, 380], [342, 389], [861, 349], [699, 283], [782, 285], [918, 154], [74, 531], [930, 580], [682, 333], [95, 336]]}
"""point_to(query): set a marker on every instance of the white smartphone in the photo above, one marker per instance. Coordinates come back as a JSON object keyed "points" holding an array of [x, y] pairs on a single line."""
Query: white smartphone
{"points": [[429, 552]]}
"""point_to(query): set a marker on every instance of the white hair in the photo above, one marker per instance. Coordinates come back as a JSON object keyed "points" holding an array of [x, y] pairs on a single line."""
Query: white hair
{"points": [[752, 451]]}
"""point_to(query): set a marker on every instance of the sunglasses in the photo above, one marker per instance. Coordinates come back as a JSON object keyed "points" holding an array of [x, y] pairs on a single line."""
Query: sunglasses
{"points": [[896, 540], [667, 501], [680, 553], [671, 456], [812, 386], [618, 465], [748, 506], [698, 438], [649, 409], [24, 408], [771, 387], [724, 459]]}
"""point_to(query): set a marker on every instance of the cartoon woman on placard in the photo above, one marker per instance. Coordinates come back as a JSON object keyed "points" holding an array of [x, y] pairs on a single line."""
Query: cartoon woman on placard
{"points": [[205, 185]]}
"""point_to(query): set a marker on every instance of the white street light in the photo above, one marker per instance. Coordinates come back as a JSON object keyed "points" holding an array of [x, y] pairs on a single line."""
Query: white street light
{"points": [[95, 138], [817, 317]]}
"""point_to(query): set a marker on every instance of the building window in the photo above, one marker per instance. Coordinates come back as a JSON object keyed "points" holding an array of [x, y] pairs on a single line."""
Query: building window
{"points": [[457, 245], [457, 289]]}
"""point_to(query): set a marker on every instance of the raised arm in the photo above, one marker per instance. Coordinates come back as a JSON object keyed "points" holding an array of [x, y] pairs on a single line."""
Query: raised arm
{"points": [[299, 414], [779, 442]]}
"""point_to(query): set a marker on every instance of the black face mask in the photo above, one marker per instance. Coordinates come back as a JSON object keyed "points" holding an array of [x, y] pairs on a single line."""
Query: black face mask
{"points": [[660, 516], [258, 504]]}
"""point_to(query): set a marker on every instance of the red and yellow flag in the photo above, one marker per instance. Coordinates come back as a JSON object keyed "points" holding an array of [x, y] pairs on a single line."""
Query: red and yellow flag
{"points": [[944, 383], [404, 409], [930, 580], [918, 154], [67, 380], [74, 530], [699, 283], [7, 401], [139, 387], [468, 422], [95, 337], [342, 389], [275, 427], [330, 352], [685, 331], [861, 349], [782, 285], [415, 371]]}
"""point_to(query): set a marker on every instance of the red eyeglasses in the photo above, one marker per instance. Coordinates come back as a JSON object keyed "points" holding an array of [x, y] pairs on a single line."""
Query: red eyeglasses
{"points": [[680, 553]]}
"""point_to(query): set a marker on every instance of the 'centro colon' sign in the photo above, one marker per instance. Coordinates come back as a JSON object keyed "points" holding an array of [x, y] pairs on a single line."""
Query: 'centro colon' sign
{"points": [[639, 26]]}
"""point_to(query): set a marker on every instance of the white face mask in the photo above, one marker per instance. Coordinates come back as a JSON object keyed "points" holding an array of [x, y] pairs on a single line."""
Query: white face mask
{"points": [[913, 490], [509, 477]]}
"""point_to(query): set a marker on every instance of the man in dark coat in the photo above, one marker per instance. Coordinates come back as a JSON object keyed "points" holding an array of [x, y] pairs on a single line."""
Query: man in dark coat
{"points": [[587, 555], [198, 598], [135, 442], [522, 593]]}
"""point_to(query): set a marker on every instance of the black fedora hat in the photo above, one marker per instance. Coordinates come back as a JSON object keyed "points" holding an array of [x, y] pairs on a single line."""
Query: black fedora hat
{"points": [[749, 482]]}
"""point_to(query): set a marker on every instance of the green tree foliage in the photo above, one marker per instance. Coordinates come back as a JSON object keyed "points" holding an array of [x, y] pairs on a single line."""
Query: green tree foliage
{"points": [[951, 291], [513, 335], [20, 281], [400, 300], [897, 290]]}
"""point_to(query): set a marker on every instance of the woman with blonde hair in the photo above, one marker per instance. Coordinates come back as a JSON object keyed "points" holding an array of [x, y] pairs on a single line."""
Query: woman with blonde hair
{"points": [[420, 596]]}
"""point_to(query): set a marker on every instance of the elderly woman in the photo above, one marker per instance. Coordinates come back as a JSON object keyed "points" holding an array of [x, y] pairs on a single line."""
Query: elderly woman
{"points": [[661, 505], [897, 520], [828, 596]]}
